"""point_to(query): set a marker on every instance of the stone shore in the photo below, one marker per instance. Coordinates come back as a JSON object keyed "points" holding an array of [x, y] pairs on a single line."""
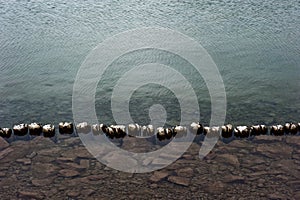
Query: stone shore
{"points": [[265, 168]]}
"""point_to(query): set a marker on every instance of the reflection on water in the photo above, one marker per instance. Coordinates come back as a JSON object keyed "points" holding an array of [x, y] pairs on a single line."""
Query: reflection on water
{"points": [[255, 45]]}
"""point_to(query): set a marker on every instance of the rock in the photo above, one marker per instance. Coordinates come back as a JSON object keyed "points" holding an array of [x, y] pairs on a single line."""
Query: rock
{"points": [[30, 195], [32, 155], [214, 188], [5, 152], [160, 161], [267, 139], [68, 173], [87, 192], [158, 176], [275, 150], [233, 179], [73, 193], [179, 180], [228, 159], [79, 152], [42, 182], [2, 174], [24, 161], [297, 195], [43, 170], [114, 159], [185, 172], [294, 140], [84, 163], [3, 144], [276, 196]]}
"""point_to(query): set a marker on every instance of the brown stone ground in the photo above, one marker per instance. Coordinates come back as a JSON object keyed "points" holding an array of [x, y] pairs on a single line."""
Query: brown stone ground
{"points": [[264, 168]]}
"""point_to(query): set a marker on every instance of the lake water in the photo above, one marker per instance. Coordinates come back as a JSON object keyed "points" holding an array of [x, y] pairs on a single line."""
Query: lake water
{"points": [[255, 44]]}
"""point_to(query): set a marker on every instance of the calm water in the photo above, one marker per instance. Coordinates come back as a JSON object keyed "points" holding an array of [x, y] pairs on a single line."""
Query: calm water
{"points": [[255, 44]]}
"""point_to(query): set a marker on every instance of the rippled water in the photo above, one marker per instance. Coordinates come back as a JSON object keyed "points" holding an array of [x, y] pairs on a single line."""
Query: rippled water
{"points": [[255, 45]]}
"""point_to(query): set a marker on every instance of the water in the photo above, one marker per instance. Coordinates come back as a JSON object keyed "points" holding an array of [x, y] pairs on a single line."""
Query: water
{"points": [[255, 45]]}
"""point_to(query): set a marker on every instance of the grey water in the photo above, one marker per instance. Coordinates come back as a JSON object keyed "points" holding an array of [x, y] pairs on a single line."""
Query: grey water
{"points": [[255, 45]]}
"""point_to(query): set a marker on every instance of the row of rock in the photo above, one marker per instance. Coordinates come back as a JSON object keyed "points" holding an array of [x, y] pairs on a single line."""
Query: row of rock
{"points": [[120, 131], [34, 129]]}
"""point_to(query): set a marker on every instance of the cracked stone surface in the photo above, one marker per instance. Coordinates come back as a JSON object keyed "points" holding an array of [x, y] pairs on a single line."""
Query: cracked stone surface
{"points": [[263, 168]]}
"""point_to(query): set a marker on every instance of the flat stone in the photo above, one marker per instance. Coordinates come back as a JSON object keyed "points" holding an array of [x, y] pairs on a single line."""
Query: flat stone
{"points": [[87, 192], [3, 144], [32, 155], [158, 176], [24, 161], [65, 159], [43, 170], [185, 172], [79, 152], [68, 173], [213, 188], [42, 182], [276, 150], [43, 159], [233, 179], [114, 159], [84, 163], [228, 159], [73, 193], [160, 161], [294, 140], [276, 196], [267, 139], [30, 194], [179, 180], [5, 152]]}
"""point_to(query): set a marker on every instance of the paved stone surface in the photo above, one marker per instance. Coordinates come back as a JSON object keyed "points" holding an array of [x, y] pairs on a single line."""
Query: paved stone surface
{"points": [[262, 168]]}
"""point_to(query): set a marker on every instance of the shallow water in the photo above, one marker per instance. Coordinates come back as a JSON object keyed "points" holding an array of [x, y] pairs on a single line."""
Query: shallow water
{"points": [[255, 45]]}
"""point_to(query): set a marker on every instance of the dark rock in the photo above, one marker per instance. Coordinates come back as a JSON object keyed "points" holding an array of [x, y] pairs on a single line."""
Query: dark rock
{"points": [[65, 128], [20, 130], [48, 130], [35, 129], [5, 132]]}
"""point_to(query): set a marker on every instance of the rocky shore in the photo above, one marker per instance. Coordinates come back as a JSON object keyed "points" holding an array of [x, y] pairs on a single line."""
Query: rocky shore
{"points": [[266, 167]]}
